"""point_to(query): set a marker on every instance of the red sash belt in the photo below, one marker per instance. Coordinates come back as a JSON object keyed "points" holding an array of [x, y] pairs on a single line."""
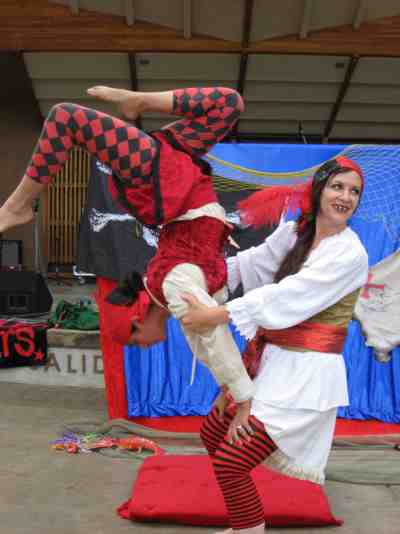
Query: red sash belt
{"points": [[316, 337]]}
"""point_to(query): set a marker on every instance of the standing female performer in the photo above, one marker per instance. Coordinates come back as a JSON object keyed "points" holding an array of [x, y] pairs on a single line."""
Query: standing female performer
{"points": [[300, 287], [161, 180]]}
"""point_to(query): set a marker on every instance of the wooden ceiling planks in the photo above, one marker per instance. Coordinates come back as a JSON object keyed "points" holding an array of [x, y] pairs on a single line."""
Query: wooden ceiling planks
{"points": [[36, 25], [40, 26], [377, 38]]}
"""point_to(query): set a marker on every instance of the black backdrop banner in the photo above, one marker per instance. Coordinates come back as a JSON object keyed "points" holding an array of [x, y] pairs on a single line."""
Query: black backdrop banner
{"points": [[112, 243]]}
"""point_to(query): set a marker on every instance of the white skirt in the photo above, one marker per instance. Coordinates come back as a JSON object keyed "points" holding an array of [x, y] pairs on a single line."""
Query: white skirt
{"points": [[303, 437]]}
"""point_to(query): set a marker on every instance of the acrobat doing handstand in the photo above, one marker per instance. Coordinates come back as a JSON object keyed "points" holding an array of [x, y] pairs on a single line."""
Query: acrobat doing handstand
{"points": [[162, 181]]}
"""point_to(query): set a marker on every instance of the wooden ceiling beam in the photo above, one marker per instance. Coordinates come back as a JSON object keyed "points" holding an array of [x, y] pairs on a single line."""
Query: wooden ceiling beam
{"points": [[41, 26], [340, 97], [247, 22], [130, 12], [244, 58], [306, 18], [134, 83], [378, 38], [359, 14], [74, 6], [85, 33], [16, 89], [187, 19]]}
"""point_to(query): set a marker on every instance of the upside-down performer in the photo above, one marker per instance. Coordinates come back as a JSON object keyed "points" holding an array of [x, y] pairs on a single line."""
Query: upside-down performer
{"points": [[300, 288], [161, 180]]}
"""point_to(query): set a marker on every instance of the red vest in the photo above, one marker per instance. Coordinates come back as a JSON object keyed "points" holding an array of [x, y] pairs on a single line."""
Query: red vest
{"points": [[176, 185], [199, 241]]}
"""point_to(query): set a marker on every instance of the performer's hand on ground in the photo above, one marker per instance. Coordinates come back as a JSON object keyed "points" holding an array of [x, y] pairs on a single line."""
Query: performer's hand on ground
{"points": [[129, 103], [240, 428], [200, 318]]}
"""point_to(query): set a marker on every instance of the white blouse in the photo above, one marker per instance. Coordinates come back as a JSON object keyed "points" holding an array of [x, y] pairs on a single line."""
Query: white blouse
{"points": [[335, 268]]}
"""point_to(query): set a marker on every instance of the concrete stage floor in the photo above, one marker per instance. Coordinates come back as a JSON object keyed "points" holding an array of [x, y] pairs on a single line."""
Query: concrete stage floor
{"points": [[49, 492]]}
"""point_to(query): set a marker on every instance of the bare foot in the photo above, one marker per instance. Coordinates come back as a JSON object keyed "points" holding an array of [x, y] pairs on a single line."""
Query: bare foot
{"points": [[9, 218], [128, 102], [227, 531]]}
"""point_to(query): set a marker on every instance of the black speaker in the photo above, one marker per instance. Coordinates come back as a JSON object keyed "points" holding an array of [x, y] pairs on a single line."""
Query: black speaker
{"points": [[23, 292], [10, 254]]}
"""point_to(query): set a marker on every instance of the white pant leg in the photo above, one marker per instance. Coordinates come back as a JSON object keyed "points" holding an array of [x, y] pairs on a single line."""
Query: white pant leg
{"points": [[216, 348]]}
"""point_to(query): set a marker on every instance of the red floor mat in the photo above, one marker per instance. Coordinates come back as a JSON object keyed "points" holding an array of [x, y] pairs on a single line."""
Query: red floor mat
{"points": [[344, 427], [183, 489]]}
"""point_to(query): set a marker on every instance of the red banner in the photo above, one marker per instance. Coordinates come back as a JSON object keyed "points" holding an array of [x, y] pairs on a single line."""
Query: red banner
{"points": [[22, 344]]}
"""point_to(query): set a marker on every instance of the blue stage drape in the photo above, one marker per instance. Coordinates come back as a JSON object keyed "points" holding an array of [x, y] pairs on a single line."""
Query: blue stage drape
{"points": [[158, 379], [374, 387]]}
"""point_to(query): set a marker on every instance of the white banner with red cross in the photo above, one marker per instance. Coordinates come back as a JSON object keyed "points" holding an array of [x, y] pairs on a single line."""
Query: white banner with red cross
{"points": [[378, 307]]}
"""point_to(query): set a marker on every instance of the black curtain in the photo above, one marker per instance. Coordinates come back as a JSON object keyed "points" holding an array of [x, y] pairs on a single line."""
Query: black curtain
{"points": [[111, 243]]}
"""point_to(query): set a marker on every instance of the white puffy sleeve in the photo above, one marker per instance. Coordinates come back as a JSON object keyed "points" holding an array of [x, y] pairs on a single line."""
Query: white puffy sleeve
{"points": [[338, 266], [257, 266]]}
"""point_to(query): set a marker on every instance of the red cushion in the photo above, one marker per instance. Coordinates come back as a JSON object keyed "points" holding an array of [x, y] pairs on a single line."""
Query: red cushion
{"points": [[182, 489]]}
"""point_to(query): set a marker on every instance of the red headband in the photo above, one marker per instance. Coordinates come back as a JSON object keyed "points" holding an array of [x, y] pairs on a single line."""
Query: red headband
{"points": [[347, 163], [118, 319], [267, 206], [333, 166]]}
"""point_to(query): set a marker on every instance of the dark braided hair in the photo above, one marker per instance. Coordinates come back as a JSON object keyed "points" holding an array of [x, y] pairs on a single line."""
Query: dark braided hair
{"points": [[127, 291]]}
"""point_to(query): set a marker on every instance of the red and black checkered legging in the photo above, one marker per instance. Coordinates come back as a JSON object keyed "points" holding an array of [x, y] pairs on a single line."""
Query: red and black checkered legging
{"points": [[209, 113], [232, 465]]}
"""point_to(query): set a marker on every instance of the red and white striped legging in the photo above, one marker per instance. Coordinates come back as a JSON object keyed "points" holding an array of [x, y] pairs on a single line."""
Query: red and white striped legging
{"points": [[232, 465]]}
